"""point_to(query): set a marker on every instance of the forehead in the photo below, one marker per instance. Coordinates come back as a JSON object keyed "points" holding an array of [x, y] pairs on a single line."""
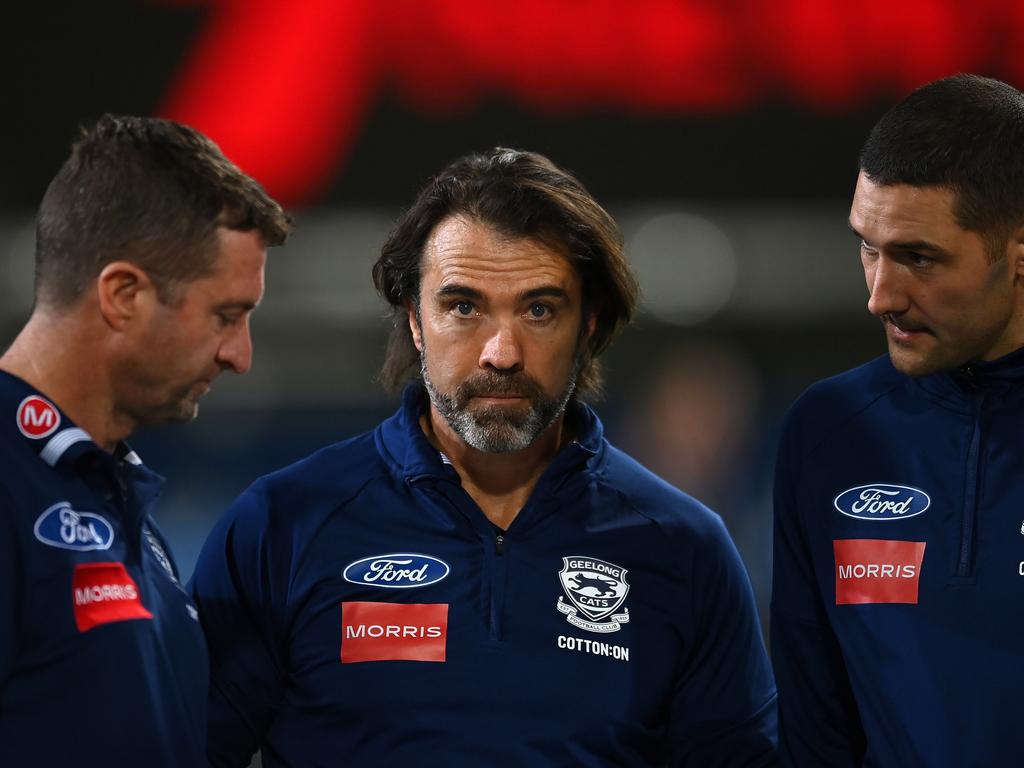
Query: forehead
{"points": [[464, 251], [901, 212], [237, 271]]}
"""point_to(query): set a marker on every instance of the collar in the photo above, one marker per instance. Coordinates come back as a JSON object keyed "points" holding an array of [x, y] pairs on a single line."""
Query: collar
{"points": [[31, 418], [403, 444], [1002, 376]]}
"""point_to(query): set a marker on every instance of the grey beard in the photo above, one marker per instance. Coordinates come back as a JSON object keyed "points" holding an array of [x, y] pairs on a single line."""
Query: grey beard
{"points": [[496, 429]]}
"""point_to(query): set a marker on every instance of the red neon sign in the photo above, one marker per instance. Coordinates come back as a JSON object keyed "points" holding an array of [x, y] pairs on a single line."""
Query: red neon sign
{"points": [[284, 86]]}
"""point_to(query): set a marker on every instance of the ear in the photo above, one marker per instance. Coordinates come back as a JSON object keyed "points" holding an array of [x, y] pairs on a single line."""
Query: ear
{"points": [[1015, 252], [124, 292], [589, 324], [414, 326]]}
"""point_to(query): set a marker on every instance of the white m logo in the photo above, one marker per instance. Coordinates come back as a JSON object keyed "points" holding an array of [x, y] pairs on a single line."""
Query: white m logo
{"points": [[43, 417], [37, 418]]}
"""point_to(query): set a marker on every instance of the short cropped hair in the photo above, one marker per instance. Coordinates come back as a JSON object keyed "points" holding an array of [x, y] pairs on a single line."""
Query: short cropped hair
{"points": [[964, 133], [519, 194], [149, 191]]}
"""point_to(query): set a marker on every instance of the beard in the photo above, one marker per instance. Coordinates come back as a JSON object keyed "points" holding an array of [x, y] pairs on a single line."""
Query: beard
{"points": [[184, 409], [496, 428]]}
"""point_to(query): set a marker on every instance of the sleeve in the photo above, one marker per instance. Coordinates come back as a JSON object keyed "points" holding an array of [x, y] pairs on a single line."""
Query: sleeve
{"points": [[723, 711], [12, 594], [234, 586], [818, 720]]}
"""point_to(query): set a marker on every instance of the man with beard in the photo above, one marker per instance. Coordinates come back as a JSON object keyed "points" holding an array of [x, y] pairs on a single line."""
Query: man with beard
{"points": [[483, 579], [897, 623], [150, 252]]}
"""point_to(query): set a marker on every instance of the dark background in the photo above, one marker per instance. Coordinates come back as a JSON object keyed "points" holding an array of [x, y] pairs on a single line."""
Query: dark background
{"points": [[731, 178]]}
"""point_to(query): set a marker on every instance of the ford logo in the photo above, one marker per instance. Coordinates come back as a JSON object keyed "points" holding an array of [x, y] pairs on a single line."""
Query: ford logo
{"points": [[399, 571], [67, 528], [882, 501]]}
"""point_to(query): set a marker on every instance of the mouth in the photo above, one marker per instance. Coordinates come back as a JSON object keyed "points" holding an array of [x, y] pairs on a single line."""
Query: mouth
{"points": [[499, 391], [901, 329]]}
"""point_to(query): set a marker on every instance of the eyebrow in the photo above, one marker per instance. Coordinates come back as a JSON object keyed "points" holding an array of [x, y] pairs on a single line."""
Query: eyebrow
{"points": [[456, 289], [906, 245], [918, 245], [242, 304], [543, 291]]}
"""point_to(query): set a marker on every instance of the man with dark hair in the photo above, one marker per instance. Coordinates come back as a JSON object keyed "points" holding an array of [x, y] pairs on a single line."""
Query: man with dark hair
{"points": [[897, 623], [483, 579], [150, 249]]}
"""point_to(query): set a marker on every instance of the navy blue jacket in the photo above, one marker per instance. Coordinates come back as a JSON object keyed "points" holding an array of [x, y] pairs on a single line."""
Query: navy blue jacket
{"points": [[897, 618], [102, 659], [362, 611]]}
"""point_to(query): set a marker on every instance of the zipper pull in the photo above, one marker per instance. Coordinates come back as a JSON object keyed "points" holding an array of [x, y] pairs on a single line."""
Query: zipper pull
{"points": [[499, 544], [968, 378]]}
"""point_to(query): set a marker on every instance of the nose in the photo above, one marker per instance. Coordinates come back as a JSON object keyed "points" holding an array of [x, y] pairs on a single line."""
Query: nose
{"points": [[236, 352], [502, 350], [885, 287]]}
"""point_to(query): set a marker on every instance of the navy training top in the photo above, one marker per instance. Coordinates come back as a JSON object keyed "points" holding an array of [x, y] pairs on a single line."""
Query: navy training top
{"points": [[102, 659], [362, 611], [897, 619]]}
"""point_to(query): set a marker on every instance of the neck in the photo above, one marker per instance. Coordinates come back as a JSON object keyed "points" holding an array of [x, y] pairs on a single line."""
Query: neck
{"points": [[500, 483], [60, 358]]}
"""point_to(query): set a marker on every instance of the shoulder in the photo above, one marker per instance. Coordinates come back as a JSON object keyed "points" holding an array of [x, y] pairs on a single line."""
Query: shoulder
{"points": [[28, 490], [22, 475], [336, 471], [317, 484], [673, 511], [293, 501], [680, 531], [17, 458], [280, 512], [852, 390], [826, 406]]}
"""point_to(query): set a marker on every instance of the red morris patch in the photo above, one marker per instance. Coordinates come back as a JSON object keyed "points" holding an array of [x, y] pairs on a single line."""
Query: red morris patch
{"points": [[393, 632], [877, 571], [104, 592], [37, 418]]}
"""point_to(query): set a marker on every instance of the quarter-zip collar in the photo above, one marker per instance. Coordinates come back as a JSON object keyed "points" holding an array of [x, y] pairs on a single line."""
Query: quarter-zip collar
{"points": [[69, 449], [973, 390], [959, 389], [403, 445]]}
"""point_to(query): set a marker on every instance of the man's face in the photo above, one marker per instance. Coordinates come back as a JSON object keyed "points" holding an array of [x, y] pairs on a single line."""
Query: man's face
{"points": [[186, 344], [942, 300], [499, 333]]}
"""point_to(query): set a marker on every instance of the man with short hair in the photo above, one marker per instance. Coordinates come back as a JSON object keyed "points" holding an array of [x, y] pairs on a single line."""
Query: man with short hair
{"points": [[483, 579], [150, 247], [897, 623]]}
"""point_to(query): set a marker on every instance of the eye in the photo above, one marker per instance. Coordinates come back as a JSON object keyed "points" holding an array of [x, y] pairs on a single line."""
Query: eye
{"points": [[539, 311], [226, 319], [867, 248], [463, 308], [920, 260]]}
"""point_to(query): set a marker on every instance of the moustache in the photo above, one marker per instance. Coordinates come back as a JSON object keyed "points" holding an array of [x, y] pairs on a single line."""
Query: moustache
{"points": [[498, 385]]}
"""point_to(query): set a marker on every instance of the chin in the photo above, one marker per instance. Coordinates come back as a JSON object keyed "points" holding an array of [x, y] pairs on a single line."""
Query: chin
{"points": [[909, 366], [921, 365], [183, 412]]}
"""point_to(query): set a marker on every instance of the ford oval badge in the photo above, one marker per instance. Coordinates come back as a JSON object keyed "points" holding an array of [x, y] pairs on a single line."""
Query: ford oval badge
{"points": [[67, 528], [398, 571], [882, 501]]}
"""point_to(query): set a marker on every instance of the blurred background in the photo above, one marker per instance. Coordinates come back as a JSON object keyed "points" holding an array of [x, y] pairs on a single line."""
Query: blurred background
{"points": [[722, 135]]}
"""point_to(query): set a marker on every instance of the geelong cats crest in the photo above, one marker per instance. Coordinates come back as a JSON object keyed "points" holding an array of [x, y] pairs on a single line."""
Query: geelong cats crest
{"points": [[596, 589]]}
